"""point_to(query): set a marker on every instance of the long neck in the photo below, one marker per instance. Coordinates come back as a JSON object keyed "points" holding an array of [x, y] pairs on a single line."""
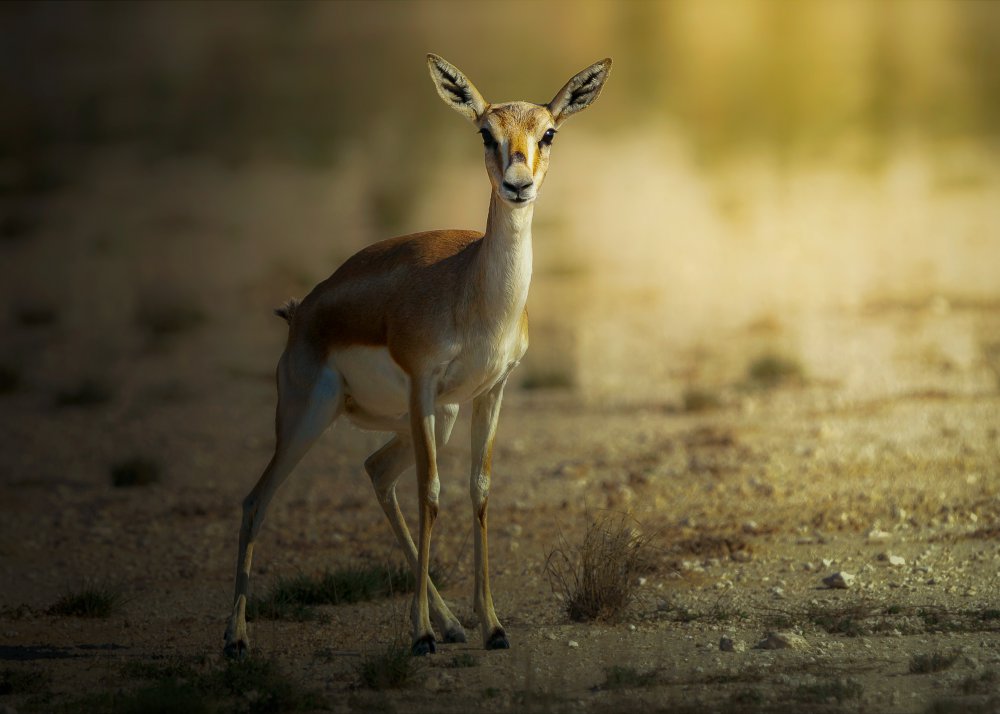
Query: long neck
{"points": [[506, 256]]}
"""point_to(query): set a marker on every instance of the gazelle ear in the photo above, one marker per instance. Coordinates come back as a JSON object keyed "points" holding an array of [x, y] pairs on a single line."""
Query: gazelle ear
{"points": [[455, 88], [581, 91]]}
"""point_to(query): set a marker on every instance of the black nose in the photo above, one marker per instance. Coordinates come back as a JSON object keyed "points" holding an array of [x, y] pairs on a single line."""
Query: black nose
{"points": [[516, 188]]}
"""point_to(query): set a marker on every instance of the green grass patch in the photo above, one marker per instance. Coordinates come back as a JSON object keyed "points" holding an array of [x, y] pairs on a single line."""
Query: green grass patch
{"points": [[136, 471], [933, 662], [292, 598], [89, 392], [90, 600], [391, 667]]}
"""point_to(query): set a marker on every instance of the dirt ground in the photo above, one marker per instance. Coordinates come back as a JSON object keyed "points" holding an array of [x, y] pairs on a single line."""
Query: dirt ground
{"points": [[750, 494]]}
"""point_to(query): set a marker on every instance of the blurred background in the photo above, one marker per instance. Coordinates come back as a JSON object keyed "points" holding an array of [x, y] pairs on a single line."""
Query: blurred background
{"points": [[817, 180]]}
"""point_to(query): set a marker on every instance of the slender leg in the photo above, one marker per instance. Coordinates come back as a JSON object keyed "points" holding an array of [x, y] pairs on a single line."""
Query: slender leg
{"points": [[384, 467], [428, 487], [303, 415], [485, 414]]}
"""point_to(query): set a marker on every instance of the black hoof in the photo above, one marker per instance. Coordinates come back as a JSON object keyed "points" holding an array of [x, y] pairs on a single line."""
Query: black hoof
{"points": [[424, 646], [498, 640], [238, 650], [454, 636]]}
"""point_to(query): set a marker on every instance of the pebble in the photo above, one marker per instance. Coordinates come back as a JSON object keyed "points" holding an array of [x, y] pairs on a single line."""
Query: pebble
{"points": [[782, 641], [573, 644], [728, 644], [840, 580]]}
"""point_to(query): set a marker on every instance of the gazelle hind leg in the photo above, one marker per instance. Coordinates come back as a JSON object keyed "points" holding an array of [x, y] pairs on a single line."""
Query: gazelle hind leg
{"points": [[384, 467], [304, 413]]}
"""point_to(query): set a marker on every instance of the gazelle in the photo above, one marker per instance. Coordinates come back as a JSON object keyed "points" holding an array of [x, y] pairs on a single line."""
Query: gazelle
{"points": [[406, 330]]}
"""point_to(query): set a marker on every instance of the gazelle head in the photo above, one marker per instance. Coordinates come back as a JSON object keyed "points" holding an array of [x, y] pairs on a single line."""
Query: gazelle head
{"points": [[517, 136]]}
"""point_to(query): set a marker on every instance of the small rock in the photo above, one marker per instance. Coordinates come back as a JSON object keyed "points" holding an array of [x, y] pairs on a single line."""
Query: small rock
{"points": [[826, 562], [777, 592], [839, 581], [782, 641], [728, 644], [896, 560], [573, 644], [876, 534]]}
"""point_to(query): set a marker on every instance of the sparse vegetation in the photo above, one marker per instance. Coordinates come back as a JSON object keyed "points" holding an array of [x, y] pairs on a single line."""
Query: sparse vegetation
{"points": [[831, 690], [597, 579], [621, 677], [89, 392], [933, 662], [162, 319], [547, 379], [15, 227], [462, 660], [136, 471], [35, 315], [10, 379], [772, 370], [254, 686], [986, 682], [90, 600], [292, 598], [391, 667], [16, 681], [700, 400]]}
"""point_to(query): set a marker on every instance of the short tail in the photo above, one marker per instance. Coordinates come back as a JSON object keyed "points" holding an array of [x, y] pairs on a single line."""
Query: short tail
{"points": [[287, 311]]}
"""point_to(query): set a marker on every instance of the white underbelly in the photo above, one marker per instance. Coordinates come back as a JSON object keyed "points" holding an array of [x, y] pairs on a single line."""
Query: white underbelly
{"points": [[373, 380], [377, 386]]}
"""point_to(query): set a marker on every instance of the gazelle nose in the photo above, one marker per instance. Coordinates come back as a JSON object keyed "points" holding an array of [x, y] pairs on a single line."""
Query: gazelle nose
{"points": [[517, 188]]}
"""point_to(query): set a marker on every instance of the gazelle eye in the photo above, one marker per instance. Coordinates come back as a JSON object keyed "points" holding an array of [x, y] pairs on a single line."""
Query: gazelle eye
{"points": [[488, 141], [547, 138]]}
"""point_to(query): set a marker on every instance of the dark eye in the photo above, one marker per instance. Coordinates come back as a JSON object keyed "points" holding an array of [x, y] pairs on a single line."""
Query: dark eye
{"points": [[547, 138], [488, 141]]}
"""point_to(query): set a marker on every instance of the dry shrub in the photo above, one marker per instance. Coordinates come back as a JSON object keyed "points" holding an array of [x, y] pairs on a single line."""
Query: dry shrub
{"points": [[598, 578]]}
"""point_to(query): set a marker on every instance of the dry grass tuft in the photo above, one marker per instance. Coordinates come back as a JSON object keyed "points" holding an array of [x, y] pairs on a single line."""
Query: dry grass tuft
{"points": [[91, 600], [598, 578]]}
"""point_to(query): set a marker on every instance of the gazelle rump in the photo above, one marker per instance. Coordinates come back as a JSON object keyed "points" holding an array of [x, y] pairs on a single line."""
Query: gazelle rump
{"points": [[408, 329]]}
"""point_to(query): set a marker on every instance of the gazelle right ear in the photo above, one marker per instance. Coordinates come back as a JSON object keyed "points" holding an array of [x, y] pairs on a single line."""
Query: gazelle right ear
{"points": [[455, 88], [581, 91]]}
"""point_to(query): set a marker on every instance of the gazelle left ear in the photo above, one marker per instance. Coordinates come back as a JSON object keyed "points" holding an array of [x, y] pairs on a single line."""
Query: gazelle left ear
{"points": [[455, 88], [581, 91]]}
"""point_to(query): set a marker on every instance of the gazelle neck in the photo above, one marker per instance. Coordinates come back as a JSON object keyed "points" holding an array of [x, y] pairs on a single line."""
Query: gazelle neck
{"points": [[509, 224], [506, 256]]}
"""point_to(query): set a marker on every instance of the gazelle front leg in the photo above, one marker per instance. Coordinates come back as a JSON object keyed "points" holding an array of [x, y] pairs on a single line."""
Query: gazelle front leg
{"points": [[485, 414], [428, 487], [384, 467]]}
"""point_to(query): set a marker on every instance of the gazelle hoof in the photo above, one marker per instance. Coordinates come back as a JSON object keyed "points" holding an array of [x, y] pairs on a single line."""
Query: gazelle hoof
{"points": [[238, 650], [498, 640], [424, 646], [454, 636]]}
